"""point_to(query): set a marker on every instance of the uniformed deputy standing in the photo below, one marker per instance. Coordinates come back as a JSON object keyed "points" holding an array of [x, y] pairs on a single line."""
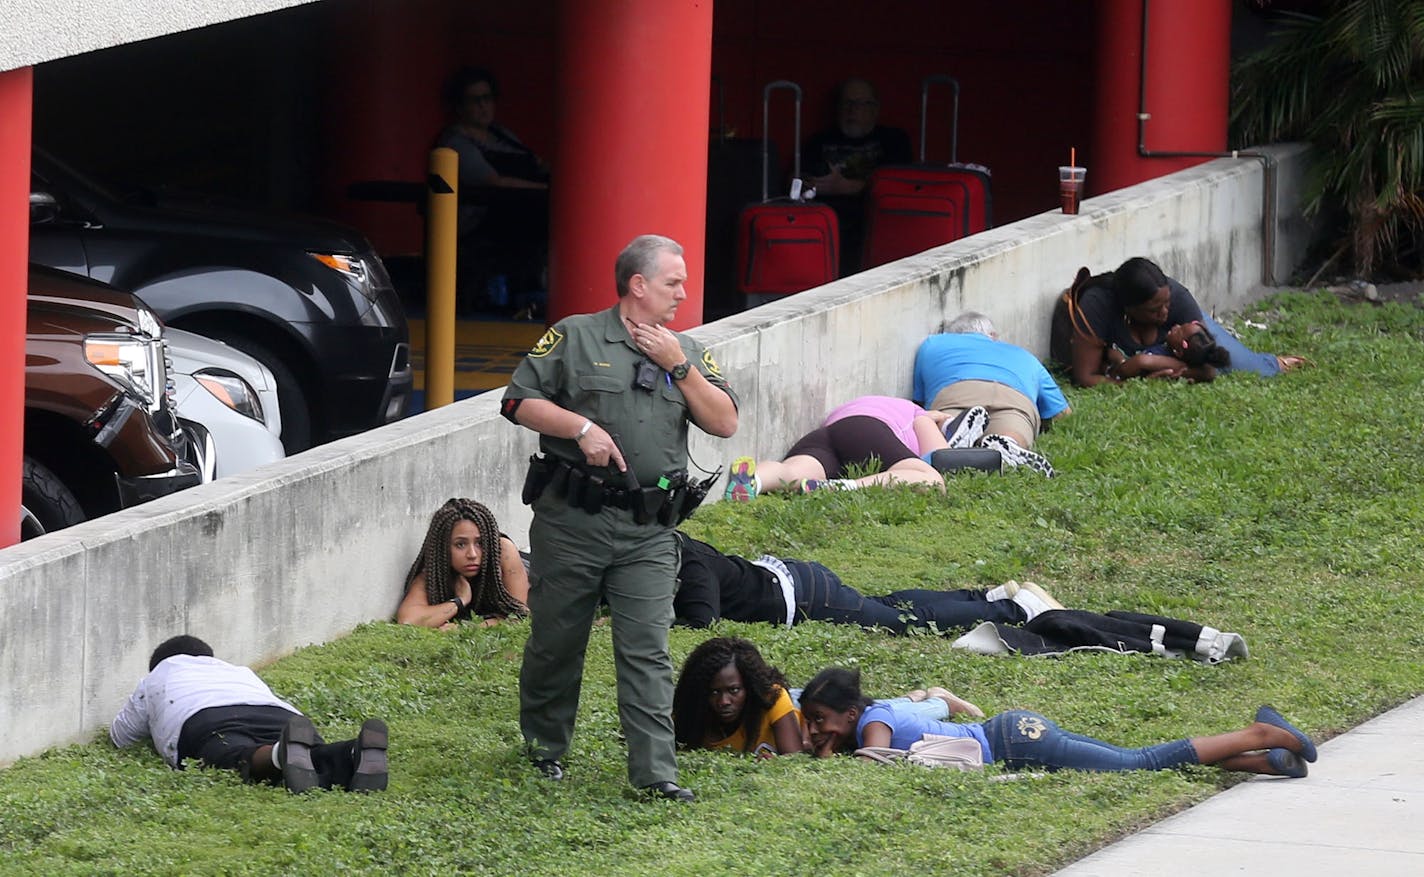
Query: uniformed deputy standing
{"points": [[620, 373]]}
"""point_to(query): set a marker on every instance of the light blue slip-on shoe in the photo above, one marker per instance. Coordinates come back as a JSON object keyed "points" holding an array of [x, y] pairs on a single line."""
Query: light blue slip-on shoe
{"points": [[1287, 763], [1269, 715]]}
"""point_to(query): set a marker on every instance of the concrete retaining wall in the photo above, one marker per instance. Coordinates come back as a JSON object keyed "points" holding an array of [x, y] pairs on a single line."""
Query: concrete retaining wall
{"points": [[301, 551]]}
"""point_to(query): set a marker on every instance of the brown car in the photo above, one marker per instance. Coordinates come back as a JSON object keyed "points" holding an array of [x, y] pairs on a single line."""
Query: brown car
{"points": [[100, 431]]}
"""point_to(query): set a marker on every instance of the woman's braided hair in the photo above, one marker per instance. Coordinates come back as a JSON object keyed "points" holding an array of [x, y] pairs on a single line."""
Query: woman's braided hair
{"points": [[488, 594], [691, 715]]}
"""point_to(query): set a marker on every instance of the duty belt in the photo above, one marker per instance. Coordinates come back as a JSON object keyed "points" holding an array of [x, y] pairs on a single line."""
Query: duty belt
{"points": [[669, 503]]}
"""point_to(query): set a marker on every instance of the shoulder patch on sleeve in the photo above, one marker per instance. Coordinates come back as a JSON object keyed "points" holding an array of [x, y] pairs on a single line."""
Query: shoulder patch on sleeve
{"points": [[711, 364], [547, 343]]}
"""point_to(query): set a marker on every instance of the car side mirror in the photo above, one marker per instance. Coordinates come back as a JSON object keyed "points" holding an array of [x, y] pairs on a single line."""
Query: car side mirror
{"points": [[44, 207]]}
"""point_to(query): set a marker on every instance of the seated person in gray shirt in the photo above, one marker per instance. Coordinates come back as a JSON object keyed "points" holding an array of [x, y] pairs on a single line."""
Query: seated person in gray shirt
{"points": [[713, 585], [192, 705]]}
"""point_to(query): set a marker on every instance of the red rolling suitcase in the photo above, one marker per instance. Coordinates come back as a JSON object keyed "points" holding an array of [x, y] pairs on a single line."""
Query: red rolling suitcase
{"points": [[785, 245], [911, 208]]}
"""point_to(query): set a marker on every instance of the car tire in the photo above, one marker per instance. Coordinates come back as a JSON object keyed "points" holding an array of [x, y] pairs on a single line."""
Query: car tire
{"points": [[291, 398], [46, 504]]}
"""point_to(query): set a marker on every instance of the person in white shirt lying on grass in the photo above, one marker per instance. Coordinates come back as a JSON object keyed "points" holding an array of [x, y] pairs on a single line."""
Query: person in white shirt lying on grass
{"points": [[192, 705]]}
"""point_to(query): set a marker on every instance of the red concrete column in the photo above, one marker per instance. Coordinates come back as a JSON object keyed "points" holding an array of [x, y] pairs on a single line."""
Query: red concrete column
{"points": [[16, 98], [1188, 52], [631, 159], [380, 111]]}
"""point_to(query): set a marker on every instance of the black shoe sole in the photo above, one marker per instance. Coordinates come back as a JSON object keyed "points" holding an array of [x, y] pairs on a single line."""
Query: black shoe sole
{"points": [[372, 771], [298, 772]]}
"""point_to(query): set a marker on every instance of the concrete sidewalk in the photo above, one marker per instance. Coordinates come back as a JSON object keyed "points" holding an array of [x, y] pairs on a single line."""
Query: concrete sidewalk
{"points": [[1358, 813]]}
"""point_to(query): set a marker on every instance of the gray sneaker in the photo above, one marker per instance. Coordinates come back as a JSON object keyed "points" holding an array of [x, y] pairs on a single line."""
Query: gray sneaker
{"points": [[966, 429], [1015, 454]]}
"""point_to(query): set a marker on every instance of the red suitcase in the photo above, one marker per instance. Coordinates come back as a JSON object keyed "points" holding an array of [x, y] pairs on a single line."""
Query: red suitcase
{"points": [[785, 245], [911, 208]]}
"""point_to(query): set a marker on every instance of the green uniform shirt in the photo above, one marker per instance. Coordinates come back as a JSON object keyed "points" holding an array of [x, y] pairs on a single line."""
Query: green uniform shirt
{"points": [[587, 364]]}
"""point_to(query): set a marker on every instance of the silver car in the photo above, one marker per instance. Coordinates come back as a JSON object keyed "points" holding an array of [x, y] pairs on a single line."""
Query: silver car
{"points": [[227, 402]]}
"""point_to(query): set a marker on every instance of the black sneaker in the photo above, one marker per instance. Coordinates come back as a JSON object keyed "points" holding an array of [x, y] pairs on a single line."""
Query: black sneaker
{"points": [[298, 772], [550, 768], [670, 791], [966, 429], [1015, 454], [368, 757]]}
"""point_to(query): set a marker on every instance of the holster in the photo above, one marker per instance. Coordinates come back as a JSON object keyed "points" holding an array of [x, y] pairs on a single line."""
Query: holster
{"points": [[541, 472], [573, 494], [693, 493], [594, 494]]}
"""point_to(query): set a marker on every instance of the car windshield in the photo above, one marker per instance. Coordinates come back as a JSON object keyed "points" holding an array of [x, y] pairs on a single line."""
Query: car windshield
{"points": [[49, 164]]}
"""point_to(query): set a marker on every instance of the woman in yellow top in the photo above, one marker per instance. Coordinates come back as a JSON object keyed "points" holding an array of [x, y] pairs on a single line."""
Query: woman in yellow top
{"points": [[729, 697]]}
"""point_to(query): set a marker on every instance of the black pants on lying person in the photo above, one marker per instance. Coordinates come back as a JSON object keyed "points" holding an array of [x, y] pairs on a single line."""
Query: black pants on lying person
{"points": [[713, 585]]}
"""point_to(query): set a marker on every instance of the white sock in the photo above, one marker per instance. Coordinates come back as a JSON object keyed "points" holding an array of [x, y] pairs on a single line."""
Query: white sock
{"points": [[756, 483], [277, 755], [999, 593], [1031, 604]]}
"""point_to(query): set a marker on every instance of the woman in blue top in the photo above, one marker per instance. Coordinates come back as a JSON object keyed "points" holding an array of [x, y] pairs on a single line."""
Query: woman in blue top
{"points": [[839, 718]]}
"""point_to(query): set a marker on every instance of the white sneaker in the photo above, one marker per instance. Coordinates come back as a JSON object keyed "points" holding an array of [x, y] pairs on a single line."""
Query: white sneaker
{"points": [[1032, 604], [966, 429], [1006, 591], [1014, 454], [1042, 594]]}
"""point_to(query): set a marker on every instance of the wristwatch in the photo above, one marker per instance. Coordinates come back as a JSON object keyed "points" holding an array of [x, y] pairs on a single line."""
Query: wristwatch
{"points": [[680, 370]]}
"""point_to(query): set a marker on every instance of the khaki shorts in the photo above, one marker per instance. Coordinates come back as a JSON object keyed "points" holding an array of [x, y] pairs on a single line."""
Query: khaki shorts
{"points": [[1009, 410]]}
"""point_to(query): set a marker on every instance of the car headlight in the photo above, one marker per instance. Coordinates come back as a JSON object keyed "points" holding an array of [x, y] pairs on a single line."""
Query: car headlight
{"points": [[232, 391], [149, 324], [134, 361], [354, 267]]}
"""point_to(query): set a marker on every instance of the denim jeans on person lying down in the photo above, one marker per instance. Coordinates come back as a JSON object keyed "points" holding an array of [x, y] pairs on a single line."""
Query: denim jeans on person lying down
{"points": [[1243, 358], [821, 596], [1020, 738]]}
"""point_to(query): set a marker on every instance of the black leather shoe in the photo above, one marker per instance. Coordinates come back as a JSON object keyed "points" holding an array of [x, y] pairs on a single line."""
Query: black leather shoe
{"points": [[370, 766], [298, 772], [671, 791], [550, 768]]}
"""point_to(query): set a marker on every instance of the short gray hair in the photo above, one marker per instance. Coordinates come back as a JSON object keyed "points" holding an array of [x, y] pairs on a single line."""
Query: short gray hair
{"points": [[641, 257], [970, 321]]}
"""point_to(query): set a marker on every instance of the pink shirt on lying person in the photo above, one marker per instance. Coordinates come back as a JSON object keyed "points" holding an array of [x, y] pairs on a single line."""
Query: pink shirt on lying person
{"points": [[898, 414]]}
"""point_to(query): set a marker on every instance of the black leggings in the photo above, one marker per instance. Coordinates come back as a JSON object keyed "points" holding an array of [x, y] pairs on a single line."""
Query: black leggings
{"points": [[852, 441]]}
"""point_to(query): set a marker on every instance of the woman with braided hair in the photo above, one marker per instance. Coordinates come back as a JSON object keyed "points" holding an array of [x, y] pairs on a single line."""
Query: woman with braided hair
{"points": [[466, 568], [729, 697]]}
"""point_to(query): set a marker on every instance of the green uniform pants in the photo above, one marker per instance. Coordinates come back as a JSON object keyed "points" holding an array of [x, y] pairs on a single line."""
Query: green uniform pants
{"points": [[581, 558]]}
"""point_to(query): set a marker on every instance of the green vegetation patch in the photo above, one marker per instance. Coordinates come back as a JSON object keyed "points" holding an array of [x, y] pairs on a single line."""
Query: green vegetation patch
{"points": [[1287, 510]]}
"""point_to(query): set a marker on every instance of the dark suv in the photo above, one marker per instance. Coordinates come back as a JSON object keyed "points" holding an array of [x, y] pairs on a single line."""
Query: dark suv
{"points": [[309, 299], [100, 429]]}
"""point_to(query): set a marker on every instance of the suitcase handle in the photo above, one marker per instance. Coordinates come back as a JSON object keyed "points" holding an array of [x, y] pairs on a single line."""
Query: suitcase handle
{"points": [[939, 79], [766, 134]]}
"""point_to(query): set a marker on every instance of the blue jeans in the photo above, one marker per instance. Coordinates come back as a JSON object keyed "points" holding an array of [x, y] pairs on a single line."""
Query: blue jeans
{"points": [[822, 596], [1243, 358], [1020, 738]]}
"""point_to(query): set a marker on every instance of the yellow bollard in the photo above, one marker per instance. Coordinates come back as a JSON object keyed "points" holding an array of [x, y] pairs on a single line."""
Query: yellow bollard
{"points": [[443, 201]]}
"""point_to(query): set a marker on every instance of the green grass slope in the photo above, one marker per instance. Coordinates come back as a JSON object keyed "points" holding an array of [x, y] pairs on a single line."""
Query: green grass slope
{"points": [[1287, 510]]}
